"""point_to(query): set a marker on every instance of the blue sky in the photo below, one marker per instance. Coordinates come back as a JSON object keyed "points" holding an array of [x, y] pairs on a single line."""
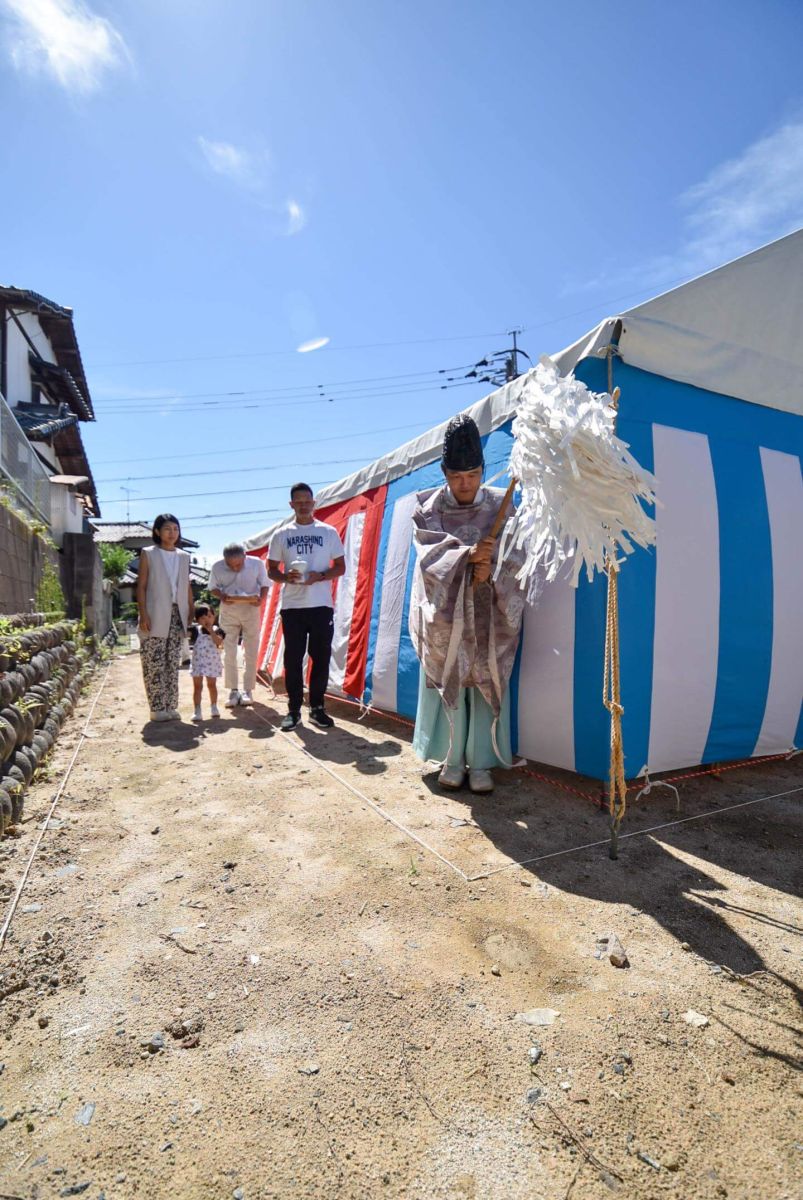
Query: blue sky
{"points": [[212, 183]]}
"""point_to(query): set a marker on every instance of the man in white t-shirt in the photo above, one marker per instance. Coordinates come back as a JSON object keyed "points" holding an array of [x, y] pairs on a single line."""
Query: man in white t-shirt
{"points": [[240, 582], [303, 557]]}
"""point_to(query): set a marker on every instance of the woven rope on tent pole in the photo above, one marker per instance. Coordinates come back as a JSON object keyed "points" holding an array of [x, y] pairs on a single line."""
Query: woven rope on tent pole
{"points": [[611, 683]]}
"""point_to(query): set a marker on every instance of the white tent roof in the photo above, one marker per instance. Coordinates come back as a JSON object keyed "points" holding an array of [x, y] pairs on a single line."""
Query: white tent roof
{"points": [[737, 330]]}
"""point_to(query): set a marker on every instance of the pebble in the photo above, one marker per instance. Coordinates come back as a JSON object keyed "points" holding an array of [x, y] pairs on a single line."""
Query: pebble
{"points": [[43, 1022], [496, 970], [696, 1019], [229, 865], [75, 1189], [617, 955], [538, 1016], [31, 908], [154, 1044], [309, 1069], [155, 829], [238, 1193], [685, 946], [649, 1160], [534, 1095], [534, 1054], [85, 1115], [239, 1027]]}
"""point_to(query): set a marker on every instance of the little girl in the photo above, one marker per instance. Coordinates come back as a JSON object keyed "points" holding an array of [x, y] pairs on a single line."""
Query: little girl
{"points": [[206, 638]]}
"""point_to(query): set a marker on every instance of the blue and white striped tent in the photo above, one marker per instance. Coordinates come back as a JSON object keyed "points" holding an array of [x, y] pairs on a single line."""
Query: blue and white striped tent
{"points": [[711, 620]]}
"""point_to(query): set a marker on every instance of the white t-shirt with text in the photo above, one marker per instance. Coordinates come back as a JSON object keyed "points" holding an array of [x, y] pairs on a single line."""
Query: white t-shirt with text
{"points": [[315, 545]]}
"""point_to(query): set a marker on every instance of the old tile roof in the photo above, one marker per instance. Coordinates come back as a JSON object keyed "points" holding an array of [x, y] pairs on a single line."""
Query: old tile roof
{"points": [[121, 531], [57, 322], [39, 424]]}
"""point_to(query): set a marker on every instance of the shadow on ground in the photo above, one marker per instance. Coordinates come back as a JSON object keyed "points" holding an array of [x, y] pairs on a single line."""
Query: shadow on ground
{"points": [[530, 819]]}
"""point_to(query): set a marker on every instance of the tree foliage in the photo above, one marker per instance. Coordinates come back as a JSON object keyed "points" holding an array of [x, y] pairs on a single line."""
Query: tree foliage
{"points": [[115, 560]]}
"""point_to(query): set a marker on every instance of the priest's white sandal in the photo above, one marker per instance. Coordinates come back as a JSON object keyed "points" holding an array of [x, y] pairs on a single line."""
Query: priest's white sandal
{"points": [[480, 781], [452, 777]]}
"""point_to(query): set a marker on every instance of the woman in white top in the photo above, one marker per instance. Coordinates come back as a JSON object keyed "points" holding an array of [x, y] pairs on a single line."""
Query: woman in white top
{"points": [[165, 601]]}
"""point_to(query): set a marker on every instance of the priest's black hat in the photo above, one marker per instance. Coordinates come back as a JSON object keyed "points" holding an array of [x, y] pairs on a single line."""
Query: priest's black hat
{"points": [[462, 448]]}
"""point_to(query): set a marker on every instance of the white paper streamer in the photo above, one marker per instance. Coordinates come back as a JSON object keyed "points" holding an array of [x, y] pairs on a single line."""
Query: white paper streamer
{"points": [[581, 491]]}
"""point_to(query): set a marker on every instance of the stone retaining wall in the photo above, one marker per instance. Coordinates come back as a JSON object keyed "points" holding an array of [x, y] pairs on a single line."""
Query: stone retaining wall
{"points": [[43, 667], [23, 554]]}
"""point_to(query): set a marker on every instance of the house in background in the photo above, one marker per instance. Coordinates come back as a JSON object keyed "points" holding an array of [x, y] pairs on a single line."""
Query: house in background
{"points": [[135, 535], [45, 477], [45, 397]]}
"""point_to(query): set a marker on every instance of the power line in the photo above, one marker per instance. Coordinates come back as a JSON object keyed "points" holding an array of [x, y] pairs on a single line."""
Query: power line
{"points": [[331, 462], [303, 388], [207, 405], [145, 362], [215, 453]]}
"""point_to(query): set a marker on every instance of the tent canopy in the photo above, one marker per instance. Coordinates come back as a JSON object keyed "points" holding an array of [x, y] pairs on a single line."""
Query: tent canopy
{"points": [[734, 331]]}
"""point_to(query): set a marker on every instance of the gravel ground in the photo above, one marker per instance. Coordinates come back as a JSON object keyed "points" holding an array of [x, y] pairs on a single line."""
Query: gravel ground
{"points": [[228, 976]]}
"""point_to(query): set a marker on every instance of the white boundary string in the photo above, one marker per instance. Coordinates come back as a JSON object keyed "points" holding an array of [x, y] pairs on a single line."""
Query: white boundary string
{"points": [[714, 812], [508, 866], [362, 796], [45, 823]]}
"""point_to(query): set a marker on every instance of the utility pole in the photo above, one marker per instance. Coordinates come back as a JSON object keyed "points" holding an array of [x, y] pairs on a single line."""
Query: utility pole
{"points": [[498, 368], [512, 365]]}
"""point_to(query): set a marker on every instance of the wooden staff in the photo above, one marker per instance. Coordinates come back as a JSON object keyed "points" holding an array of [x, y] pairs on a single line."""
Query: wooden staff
{"points": [[501, 517]]}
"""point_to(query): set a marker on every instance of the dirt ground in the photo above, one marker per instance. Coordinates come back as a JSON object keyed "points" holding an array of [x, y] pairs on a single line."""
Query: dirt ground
{"points": [[234, 978]]}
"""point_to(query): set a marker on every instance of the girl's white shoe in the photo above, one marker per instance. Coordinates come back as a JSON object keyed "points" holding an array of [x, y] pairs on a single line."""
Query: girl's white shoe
{"points": [[214, 711], [197, 716]]}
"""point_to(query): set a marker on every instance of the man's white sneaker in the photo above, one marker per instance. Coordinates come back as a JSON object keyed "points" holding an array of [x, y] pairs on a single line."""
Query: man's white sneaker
{"points": [[452, 778], [214, 711], [160, 716], [174, 715], [246, 698], [233, 700], [197, 715], [480, 781]]}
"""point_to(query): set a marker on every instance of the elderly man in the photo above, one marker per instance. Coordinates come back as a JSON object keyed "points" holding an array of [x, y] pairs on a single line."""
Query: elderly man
{"points": [[240, 583]]}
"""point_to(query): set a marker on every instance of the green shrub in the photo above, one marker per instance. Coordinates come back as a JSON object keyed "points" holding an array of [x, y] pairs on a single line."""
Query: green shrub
{"points": [[49, 594]]}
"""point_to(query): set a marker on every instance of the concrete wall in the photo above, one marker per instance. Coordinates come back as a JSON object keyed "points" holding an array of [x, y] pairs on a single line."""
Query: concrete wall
{"points": [[82, 581], [22, 555]]}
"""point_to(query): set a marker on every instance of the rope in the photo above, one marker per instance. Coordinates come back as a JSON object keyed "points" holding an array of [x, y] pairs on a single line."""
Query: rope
{"points": [[611, 688], [611, 698], [46, 822]]}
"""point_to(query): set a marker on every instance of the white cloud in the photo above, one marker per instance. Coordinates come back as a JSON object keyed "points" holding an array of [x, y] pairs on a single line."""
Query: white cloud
{"points": [[240, 166], [64, 39], [252, 172], [741, 204], [296, 217], [751, 199]]}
